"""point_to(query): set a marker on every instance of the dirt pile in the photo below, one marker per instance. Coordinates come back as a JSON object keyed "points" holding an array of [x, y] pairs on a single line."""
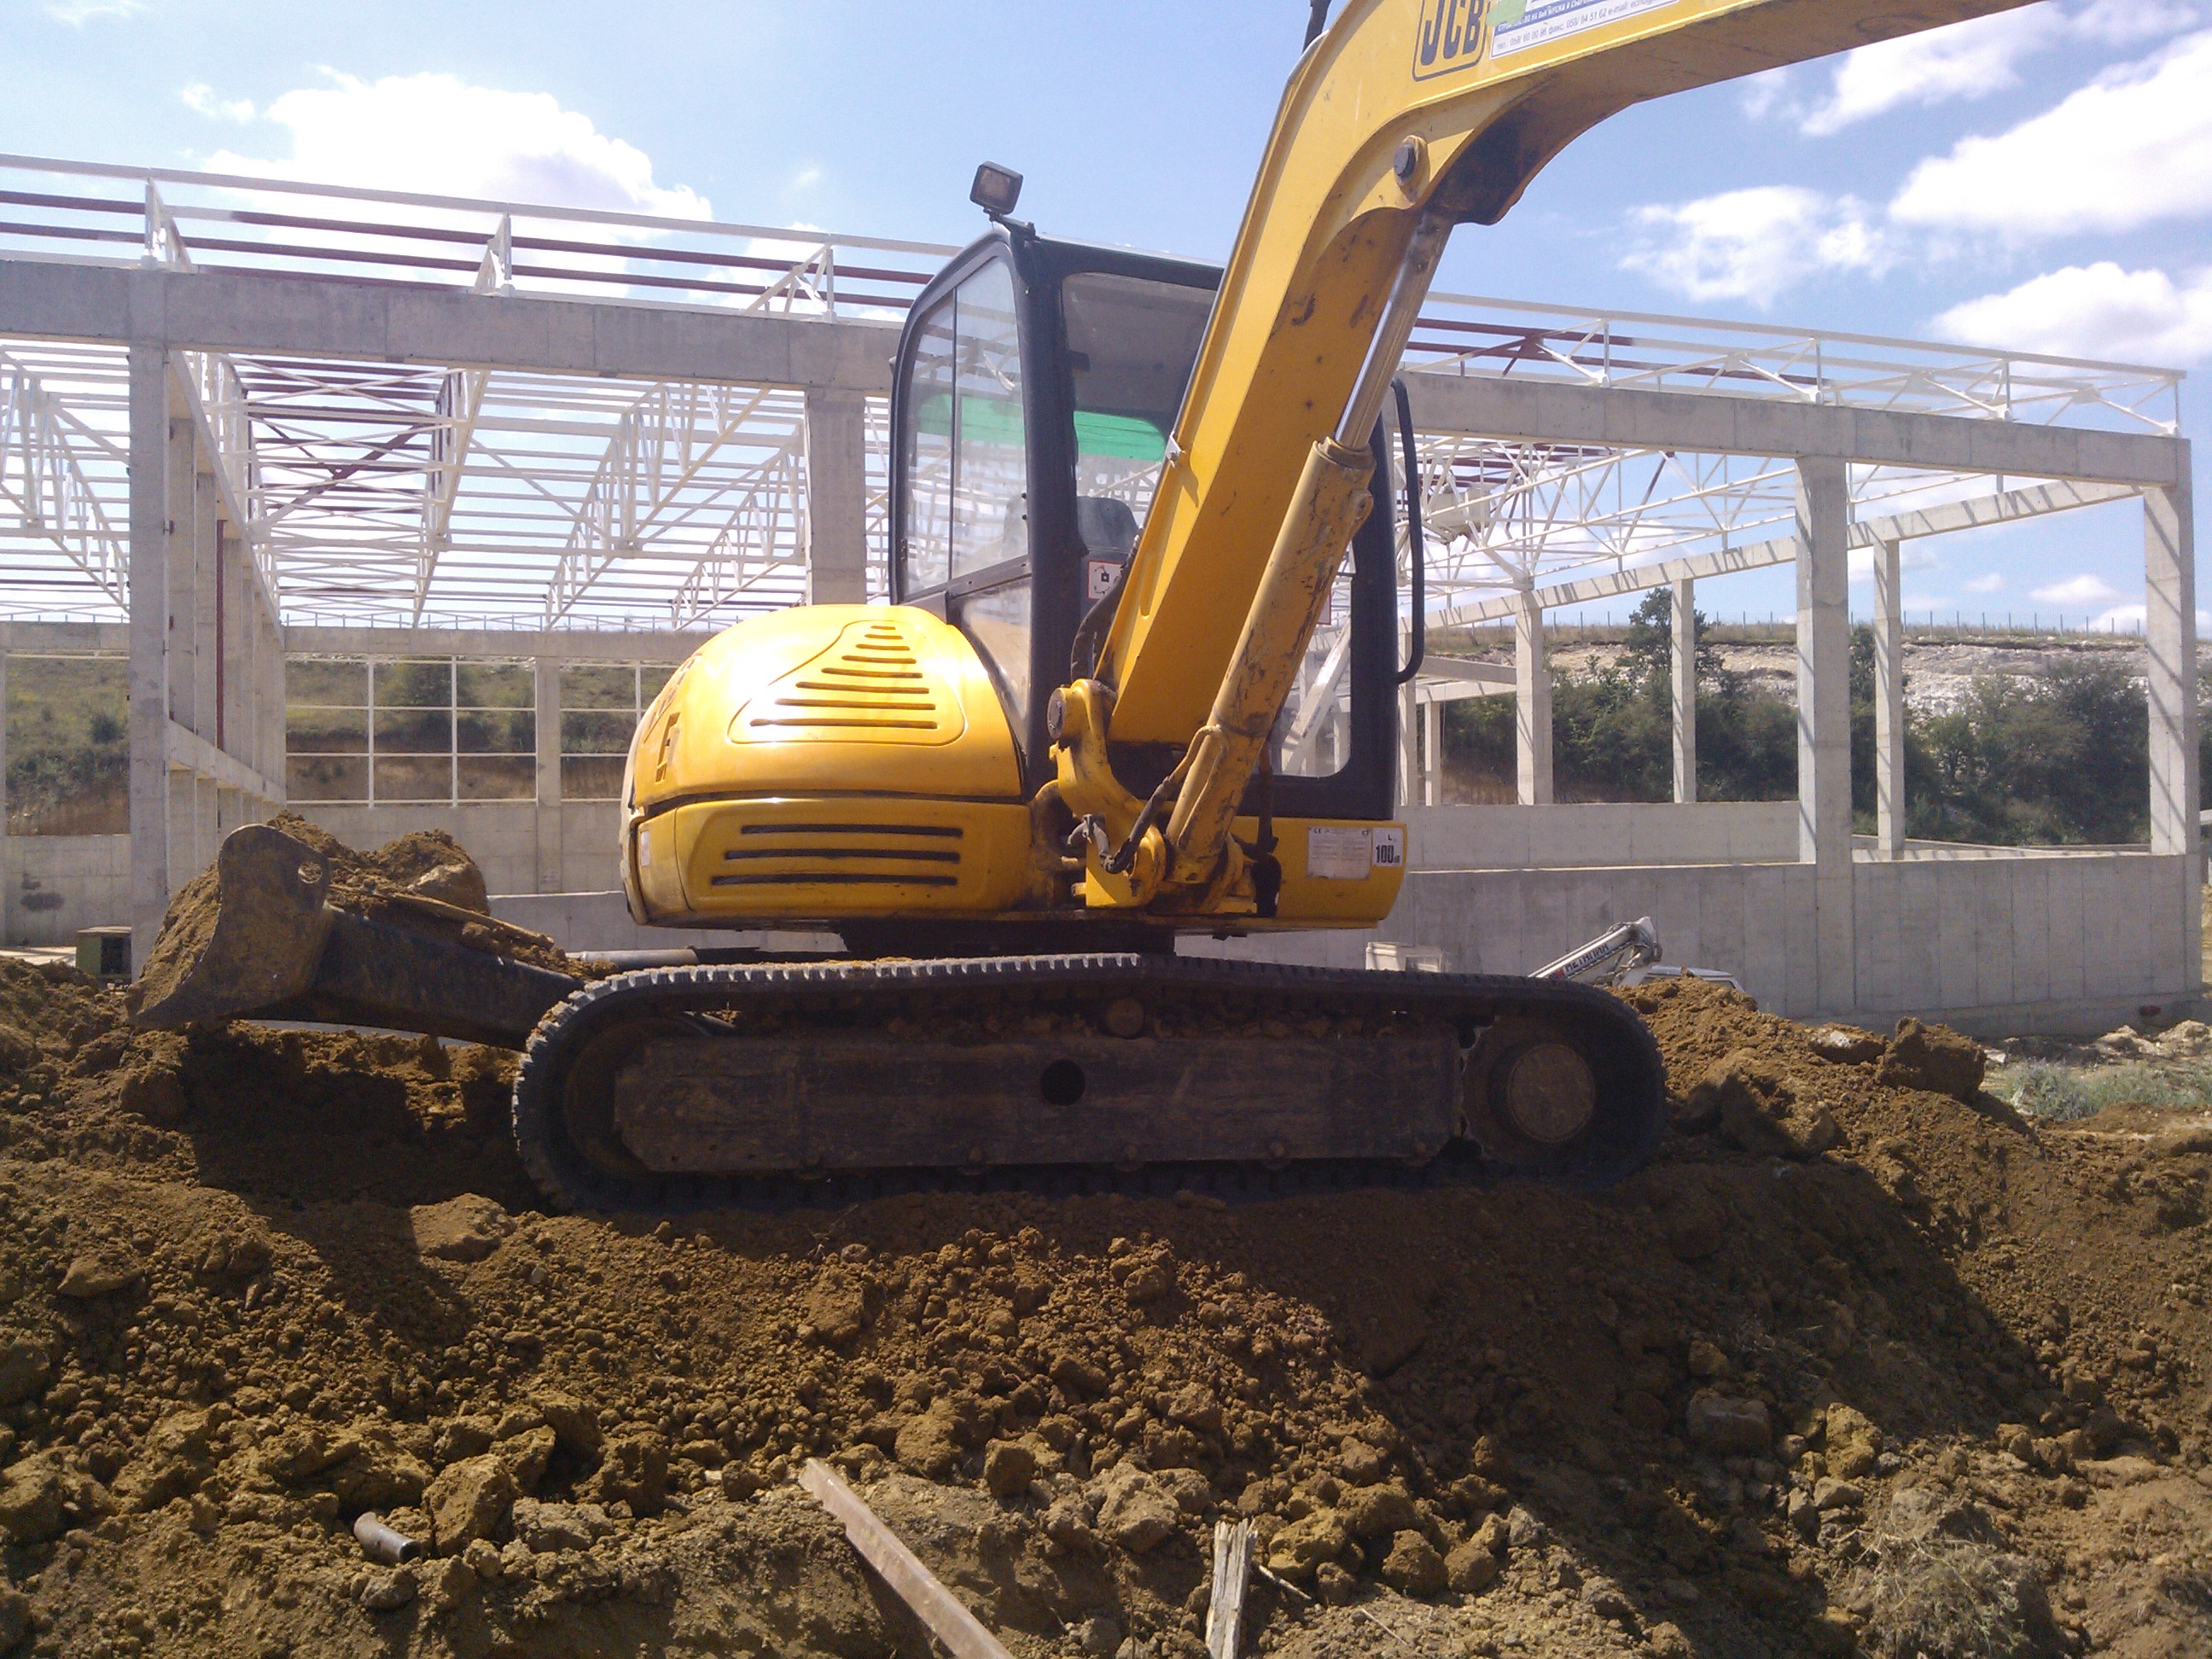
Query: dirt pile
{"points": [[1864, 1362]]}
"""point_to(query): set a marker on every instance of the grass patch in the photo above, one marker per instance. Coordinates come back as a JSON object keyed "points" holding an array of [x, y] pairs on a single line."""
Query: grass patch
{"points": [[2067, 1094], [1951, 1598]]}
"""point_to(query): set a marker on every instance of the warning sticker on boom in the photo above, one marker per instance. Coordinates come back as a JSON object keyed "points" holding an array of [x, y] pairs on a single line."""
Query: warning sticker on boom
{"points": [[1339, 852], [1518, 25]]}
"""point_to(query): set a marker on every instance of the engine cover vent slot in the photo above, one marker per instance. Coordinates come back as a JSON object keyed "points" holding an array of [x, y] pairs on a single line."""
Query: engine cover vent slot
{"points": [[844, 855], [873, 684]]}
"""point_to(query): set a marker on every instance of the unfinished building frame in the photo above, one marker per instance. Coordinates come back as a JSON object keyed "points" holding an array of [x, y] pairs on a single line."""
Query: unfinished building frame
{"points": [[245, 419]]}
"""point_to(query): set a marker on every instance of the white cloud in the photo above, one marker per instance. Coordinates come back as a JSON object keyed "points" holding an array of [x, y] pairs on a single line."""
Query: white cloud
{"points": [[1966, 60], [2133, 146], [78, 13], [1911, 556], [2122, 22], [2094, 311], [437, 135], [1763, 93], [2081, 591], [1752, 244], [1992, 583], [2129, 619], [200, 99]]}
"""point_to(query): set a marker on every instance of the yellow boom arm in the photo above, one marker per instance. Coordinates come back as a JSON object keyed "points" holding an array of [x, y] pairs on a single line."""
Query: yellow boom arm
{"points": [[1406, 117]]}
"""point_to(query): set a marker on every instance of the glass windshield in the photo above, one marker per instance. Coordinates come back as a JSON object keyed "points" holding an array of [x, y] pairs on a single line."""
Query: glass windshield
{"points": [[1130, 343], [967, 470]]}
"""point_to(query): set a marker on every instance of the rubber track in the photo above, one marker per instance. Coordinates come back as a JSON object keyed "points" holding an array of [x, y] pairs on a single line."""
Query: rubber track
{"points": [[1637, 1096]]}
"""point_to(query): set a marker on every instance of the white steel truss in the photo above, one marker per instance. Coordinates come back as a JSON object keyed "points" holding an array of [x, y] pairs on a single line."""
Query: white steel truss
{"points": [[44, 492]]}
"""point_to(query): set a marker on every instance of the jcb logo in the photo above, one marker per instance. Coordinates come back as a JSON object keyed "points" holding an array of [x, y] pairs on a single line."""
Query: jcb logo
{"points": [[1452, 36]]}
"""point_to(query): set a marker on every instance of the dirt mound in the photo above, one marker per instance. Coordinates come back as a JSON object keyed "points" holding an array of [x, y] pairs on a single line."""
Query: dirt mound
{"points": [[1859, 1364]]}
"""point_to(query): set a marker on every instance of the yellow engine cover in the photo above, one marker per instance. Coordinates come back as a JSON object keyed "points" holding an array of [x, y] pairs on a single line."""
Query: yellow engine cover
{"points": [[823, 762]]}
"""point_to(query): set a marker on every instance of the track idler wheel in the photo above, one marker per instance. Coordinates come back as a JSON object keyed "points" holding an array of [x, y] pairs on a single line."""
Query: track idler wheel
{"points": [[564, 1116], [1559, 1097]]}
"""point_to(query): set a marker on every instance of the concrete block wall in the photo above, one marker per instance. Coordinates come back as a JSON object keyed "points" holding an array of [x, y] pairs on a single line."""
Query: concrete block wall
{"points": [[1599, 834], [57, 885], [2063, 942]]}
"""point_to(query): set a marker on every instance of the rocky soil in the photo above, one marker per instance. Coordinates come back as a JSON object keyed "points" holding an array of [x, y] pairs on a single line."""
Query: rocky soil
{"points": [[1864, 1362]]}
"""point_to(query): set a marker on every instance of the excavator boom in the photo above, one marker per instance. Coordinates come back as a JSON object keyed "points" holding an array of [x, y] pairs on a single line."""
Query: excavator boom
{"points": [[1404, 118]]}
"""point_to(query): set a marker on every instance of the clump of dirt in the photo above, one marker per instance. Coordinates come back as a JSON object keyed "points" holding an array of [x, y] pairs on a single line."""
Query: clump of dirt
{"points": [[1787, 1391]]}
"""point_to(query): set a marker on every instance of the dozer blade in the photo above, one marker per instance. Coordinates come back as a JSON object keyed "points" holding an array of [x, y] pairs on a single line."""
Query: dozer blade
{"points": [[267, 943]]}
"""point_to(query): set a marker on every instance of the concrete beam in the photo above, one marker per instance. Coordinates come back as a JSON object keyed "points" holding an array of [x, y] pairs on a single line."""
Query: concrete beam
{"points": [[1711, 423], [65, 639], [496, 644], [233, 310], [188, 752], [1453, 671]]}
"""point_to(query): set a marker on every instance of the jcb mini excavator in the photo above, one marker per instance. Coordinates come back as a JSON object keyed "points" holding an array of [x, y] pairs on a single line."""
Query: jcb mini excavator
{"points": [[1137, 505]]}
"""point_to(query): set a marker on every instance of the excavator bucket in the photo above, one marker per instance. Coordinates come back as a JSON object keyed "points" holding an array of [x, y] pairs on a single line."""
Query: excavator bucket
{"points": [[257, 938]]}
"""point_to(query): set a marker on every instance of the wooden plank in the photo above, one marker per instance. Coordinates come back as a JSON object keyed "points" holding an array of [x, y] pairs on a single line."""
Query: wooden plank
{"points": [[1232, 1572], [879, 1546], [826, 1101]]}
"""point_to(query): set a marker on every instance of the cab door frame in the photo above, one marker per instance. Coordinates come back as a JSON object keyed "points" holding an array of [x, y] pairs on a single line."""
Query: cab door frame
{"points": [[1366, 786]]}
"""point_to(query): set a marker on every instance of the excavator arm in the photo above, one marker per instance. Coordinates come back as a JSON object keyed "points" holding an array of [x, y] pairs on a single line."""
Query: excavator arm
{"points": [[1403, 118]]}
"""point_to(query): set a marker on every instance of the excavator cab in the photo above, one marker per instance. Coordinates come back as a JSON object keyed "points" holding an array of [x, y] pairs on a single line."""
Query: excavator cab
{"points": [[1037, 389]]}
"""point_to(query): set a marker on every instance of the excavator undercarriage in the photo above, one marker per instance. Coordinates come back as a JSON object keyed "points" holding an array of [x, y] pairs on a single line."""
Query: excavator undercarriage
{"points": [[675, 1086]]}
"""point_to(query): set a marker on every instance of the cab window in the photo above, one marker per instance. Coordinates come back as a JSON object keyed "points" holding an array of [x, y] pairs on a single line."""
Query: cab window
{"points": [[1131, 343], [967, 467]]}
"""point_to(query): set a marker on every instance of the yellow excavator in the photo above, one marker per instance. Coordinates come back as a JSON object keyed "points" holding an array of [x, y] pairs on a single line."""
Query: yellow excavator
{"points": [[1137, 680]]}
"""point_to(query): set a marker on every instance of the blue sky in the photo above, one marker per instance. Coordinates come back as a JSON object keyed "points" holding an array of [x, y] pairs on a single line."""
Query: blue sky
{"points": [[2041, 180]]}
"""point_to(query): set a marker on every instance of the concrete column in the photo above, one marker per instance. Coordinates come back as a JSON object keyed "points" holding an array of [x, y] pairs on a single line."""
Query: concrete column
{"points": [[1823, 717], [552, 845], [836, 497], [1432, 744], [211, 611], [1532, 704], [1888, 700], [2170, 641], [1683, 701], [1409, 746], [7, 875], [149, 644]]}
